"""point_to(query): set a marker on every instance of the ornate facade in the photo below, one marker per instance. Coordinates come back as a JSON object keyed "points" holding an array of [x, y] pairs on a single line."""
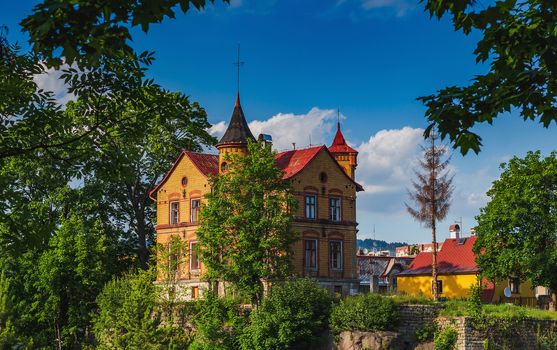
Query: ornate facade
{"points": [[323, 181]]}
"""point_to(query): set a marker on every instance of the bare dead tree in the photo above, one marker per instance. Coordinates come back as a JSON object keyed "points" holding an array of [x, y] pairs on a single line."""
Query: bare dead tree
{"points": [[432, 192]]}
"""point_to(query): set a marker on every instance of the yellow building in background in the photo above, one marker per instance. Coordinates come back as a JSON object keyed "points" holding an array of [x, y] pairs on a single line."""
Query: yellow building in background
{"points": [[457, 273]]}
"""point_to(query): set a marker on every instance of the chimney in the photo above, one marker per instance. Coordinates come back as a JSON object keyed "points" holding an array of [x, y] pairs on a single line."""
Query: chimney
{"points": [[454, 231], [266, 139]]}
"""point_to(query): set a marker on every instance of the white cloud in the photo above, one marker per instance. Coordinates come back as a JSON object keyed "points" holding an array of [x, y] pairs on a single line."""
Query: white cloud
{"points": [[286, 128], [401, 7], [218, 129], [235, 3], [386, 160], [50, 81]]}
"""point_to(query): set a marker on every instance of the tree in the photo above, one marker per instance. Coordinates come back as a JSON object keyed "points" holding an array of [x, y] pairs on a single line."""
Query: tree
{"points": [[7, 333], [519, 40], [154, 127], [86, 30], [244, 234], [69, 275], [517, 229], [432, 195]]}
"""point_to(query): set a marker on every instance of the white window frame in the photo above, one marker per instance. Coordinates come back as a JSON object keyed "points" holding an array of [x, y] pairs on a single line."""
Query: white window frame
{"points": [[308, 207], [340, 257], [307, 257], [198, 200], [192, 243], [335, 210], [170, 204]]}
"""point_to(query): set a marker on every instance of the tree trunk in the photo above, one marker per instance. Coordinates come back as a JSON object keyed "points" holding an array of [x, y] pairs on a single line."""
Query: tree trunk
{"points": [[434, 263], [142, 240]]}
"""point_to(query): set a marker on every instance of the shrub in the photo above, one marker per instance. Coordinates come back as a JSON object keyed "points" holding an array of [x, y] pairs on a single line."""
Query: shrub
{"points": [[427, 332], [366, 312], [293, 316], [129, 319], [475, 304], [217, 323], [446, 339]]}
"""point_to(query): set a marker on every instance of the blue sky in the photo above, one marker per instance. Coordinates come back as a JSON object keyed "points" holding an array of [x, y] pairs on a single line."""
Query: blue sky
{"points": [[305, 59]]}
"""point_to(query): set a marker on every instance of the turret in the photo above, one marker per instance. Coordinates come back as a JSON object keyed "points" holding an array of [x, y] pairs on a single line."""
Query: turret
{"points": [[235, 139], [346, 156]]}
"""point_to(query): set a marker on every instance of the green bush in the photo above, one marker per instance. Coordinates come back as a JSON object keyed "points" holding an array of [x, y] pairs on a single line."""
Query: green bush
{"points": [[446, 339], [218, 323], [427, 332], [366, 312], [130, 319], [293, 316]]}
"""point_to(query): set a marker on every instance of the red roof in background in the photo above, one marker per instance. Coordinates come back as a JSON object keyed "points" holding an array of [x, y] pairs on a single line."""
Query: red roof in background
{"points": [[456, 256], [292, 162], [339, 143]]}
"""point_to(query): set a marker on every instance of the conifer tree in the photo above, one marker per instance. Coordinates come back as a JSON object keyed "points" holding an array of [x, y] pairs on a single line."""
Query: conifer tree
{"points": [[432, 195]]}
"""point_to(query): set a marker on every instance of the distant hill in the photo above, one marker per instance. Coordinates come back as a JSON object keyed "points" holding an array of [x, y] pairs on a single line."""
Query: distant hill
{"points": [[378, 244]]}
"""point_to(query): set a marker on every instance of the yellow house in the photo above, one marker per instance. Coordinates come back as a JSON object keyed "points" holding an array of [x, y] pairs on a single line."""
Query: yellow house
{"points": [[323, 179], [457, 272]]}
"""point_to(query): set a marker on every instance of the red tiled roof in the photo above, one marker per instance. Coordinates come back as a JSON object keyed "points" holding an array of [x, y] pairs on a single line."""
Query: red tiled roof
{"points": [[456, 256], [207, 164], [339, 143], [292, 162]]}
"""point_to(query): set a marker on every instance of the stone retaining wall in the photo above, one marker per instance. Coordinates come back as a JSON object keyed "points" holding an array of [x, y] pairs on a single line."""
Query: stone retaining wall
{"points": [[522, 334]]}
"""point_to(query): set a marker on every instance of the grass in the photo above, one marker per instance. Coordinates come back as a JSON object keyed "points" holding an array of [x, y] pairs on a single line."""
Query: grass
{"points": [[460, 308]]}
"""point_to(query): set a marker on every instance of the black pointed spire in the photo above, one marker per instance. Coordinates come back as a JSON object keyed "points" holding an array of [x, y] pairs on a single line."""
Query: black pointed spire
{"points": [[238, 130]]}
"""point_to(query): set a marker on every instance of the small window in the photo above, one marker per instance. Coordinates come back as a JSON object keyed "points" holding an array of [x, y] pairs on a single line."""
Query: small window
{"points": [[514, 285], [194, 213], [224, 167], [310, 206], [323, 177], [335, 255], [174, 212], [184, 181], [334, 207], [195, 292], [439, 287], [310, 254], [338, 290], [194, 257]]}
